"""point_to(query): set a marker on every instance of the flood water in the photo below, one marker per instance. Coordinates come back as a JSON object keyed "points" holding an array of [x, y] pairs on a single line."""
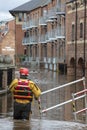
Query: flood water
{"points": [[59, 118]]}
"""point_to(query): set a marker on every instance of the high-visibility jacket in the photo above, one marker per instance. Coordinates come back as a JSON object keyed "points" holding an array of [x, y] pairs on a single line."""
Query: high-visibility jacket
{"points": [[32, 87], [23, 91]]}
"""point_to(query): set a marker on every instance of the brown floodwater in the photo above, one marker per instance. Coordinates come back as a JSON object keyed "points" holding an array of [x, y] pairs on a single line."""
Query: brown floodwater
{"points": [[60, 118]]}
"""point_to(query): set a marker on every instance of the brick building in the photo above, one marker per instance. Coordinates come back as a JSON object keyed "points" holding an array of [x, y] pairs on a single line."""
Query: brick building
{"points": [[40, 33], [52, 34], [7, 40], [7, 53], [76, 37]]}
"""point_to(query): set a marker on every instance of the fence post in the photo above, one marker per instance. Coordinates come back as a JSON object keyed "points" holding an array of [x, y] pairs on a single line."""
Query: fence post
{"points": [[74, 107]]}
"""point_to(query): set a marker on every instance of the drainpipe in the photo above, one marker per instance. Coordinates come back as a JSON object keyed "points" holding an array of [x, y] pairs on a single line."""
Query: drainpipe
{"points": [[75, 44], [76, 40], [15, 43], [84, 54], [84, 36]]}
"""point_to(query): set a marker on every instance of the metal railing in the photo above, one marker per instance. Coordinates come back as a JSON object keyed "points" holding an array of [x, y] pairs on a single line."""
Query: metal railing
{"points": [[84, 92], [61, 86], [73, 97]]}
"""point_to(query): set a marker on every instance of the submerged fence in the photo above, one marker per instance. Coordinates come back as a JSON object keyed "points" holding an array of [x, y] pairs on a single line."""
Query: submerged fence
{"points": [[81, 94]]}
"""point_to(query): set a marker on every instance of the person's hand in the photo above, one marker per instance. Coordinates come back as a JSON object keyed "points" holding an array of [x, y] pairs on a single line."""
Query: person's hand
{"points": [[35, 98]]}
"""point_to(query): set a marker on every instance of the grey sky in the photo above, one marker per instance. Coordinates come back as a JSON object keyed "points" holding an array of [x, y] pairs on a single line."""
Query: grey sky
{"points": [[7, 5]]}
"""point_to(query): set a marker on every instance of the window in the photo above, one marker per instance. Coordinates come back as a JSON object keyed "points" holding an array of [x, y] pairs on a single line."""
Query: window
{"points": [[25, 51], [25, 17], [81, 30], [20, 17], [73, 32], [44, 13], [26, 34]]}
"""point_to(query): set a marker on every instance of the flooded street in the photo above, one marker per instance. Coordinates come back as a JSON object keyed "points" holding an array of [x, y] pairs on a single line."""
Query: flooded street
{"points": [[38, 124], [60, 118]]}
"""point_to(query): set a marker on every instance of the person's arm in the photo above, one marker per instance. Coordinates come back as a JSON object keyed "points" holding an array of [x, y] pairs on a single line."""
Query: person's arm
{"points": [[35, 89], [13, 84]]}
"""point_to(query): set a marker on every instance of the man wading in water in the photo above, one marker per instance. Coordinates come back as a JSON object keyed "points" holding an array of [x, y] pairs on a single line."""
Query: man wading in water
{"points": [[23, 91]]}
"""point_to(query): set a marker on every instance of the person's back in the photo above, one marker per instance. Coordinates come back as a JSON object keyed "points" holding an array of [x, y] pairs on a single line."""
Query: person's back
{"points": [[23, 91]]}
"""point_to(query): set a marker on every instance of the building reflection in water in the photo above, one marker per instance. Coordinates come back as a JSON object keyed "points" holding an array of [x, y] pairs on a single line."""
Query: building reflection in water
{"points": [[47, 80], [21, 125], [77, 105], [3, 105]]}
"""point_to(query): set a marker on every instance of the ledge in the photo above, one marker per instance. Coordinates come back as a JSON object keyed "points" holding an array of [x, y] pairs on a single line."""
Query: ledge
{"points": [[3, 91]]}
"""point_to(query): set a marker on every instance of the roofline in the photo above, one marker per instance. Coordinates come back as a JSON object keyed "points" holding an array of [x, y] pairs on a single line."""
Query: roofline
{"points": [[17, 11], [25, 11]]}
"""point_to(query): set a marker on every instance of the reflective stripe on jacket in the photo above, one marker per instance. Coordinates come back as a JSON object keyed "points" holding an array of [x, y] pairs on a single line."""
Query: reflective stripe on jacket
{"points": [[23, 91]]}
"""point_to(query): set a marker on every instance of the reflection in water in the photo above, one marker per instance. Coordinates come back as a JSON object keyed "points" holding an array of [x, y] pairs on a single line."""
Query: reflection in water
{"points": [[39, 124], [21, 125], [3, 104], [79, 104], [50, 120], [6, 105], [48, 80]]}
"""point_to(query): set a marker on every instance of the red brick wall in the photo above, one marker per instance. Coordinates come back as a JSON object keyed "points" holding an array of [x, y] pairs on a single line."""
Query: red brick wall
{"points": [[19, 37], [70, 46]]}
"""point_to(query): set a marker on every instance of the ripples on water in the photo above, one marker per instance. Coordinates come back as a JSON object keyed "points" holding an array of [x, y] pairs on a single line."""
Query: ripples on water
{"points": [[52, 120], [39, 124]]}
